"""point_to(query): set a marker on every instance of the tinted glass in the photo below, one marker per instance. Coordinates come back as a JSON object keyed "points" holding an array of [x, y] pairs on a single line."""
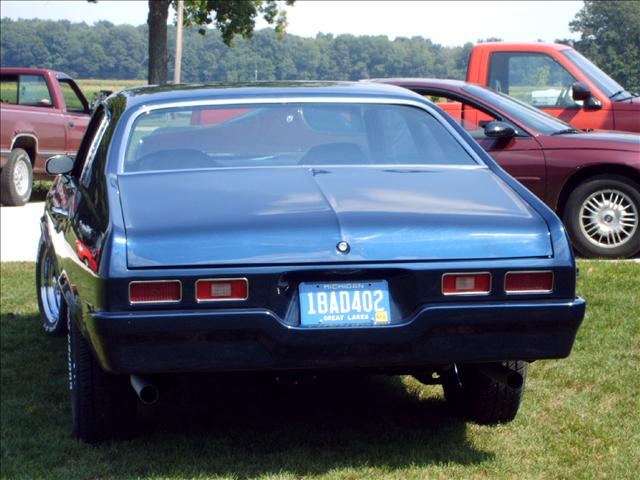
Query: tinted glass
{"points": [[534, 78], [71, 98], [289, 135], [604, 82], [529, 116], [33, 90]]}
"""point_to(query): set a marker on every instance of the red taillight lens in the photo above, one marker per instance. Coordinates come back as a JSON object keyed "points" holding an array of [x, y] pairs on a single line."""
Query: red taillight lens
{"points": [[528, 282], [155, 291], [466, 283], [222, 289]]}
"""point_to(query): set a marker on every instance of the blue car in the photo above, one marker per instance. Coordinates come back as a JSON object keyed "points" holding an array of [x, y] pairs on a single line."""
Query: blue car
{"points": [[302, 228]]}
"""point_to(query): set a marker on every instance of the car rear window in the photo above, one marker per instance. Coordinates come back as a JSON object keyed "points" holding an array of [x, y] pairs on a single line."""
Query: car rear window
{"points": [[305, 134]]}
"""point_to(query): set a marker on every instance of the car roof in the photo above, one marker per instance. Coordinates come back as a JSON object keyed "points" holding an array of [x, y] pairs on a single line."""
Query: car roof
{"points": [[34, 71], [146, 95]]}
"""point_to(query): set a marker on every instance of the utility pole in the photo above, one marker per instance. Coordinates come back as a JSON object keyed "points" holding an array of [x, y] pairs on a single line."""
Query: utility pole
{"points": [[178, 64]]}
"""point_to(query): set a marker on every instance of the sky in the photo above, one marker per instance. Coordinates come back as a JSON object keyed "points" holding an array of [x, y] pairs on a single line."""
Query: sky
{"points": [[448, 23]]}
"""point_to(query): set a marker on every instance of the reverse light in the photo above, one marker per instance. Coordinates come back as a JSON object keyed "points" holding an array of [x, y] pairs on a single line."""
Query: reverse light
{"points": [[528, 282], [466, 283], [155, 291], [219, 289]]}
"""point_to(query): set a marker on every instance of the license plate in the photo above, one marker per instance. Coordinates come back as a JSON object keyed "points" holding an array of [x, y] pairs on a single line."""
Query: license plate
{"points": [[344, 303]]}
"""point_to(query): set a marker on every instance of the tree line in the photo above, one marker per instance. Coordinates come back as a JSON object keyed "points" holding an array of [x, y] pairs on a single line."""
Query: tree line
{"points": [[109, 51], [610, 37]]}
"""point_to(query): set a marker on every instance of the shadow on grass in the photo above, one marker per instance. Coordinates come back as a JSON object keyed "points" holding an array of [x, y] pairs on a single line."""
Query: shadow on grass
{"points": [[236, 426]]}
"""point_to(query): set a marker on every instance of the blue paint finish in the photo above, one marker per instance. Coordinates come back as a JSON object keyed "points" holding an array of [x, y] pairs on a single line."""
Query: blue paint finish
{"points": [[220, 217], [279, 227]]}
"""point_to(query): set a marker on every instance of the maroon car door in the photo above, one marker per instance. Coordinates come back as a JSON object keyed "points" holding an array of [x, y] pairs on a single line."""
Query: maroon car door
{"points": [[521, 155]]}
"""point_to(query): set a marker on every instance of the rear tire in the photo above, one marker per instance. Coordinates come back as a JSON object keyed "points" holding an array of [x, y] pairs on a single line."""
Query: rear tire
{"points": [[103, 405], [603, 217], [480, 399], [16, 179], [53, 308]]}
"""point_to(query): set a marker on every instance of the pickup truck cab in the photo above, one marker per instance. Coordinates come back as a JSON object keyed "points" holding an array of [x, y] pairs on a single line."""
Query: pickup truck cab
{"points": [[558, 80], [44, 113]]}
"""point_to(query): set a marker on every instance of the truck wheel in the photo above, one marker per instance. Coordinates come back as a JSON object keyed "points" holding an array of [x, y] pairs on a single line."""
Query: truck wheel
{"points": [[480, 399], [53, 309], [103, 405], [603, 217], [16, 179]]}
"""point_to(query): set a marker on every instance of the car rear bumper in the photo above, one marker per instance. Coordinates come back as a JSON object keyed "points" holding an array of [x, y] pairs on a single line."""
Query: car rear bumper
{"points": [[256, 340]]}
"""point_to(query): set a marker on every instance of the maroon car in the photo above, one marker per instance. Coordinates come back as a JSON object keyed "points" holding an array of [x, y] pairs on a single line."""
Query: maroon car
{"points": [[590, 178], [44, 113]]}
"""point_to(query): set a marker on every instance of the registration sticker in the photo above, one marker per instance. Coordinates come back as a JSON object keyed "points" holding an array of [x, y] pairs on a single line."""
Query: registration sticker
{"points": [[345, 303]]}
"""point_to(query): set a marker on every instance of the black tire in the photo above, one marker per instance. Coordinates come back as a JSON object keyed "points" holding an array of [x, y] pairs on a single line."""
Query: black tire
{"points": [[16, 179], [480, 399], [584, 233], [103, 405], [53, 309]]}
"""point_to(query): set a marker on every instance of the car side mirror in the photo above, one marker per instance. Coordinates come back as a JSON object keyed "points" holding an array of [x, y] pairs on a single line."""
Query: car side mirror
{"points": [[59, 165], [498, 129], [580, 91]]}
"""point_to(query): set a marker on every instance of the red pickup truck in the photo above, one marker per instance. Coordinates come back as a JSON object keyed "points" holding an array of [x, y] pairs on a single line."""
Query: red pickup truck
{"points": [[558, 80], [44, 113]]}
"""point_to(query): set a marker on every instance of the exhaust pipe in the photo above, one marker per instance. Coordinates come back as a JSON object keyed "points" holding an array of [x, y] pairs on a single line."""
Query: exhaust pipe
{"points": [[501, 374], [147, 392]]}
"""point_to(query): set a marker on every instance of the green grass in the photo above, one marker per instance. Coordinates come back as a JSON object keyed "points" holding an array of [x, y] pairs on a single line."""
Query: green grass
{"points": [[579, 418]]}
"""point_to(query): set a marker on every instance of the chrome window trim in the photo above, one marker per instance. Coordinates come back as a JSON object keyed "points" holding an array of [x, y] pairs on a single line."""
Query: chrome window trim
{"points": [[246, 282], [529, 292], [466, 293], [148, 302], [286, 100]]}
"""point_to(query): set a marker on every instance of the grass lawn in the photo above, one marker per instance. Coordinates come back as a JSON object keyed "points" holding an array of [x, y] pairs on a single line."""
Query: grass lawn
{"points": [[580, 417], [90, 86]]}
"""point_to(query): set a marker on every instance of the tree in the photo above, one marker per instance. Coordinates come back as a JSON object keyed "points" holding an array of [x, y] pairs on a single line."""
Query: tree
{"points": [[230, 17], [610, 37]]}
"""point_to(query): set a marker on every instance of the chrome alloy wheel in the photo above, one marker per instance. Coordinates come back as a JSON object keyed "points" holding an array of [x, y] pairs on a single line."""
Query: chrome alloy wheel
{"points": [[608, 218], [50, 290], [21, 177]]}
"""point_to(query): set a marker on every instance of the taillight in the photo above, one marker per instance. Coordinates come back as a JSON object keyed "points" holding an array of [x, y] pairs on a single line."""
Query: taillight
{"points": [[155, 291], [528, 282], [218, 289], [466, 283]]}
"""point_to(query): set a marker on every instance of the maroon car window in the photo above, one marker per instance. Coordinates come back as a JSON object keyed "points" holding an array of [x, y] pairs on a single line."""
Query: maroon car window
{"points": [[290, 135], [33, 91], [9, 89]]}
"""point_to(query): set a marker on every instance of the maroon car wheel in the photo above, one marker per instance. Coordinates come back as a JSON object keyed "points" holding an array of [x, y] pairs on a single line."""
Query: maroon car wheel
{"points": [[603, 217], [16, 179]]}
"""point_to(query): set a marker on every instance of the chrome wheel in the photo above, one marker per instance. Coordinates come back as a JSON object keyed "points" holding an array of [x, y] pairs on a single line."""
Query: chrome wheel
{"points": [[21, 177], [608, 218], [50, 295]]}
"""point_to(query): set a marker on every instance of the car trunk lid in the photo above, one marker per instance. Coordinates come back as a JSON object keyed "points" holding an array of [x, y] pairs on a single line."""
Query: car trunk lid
{"points": [[298, 215]]}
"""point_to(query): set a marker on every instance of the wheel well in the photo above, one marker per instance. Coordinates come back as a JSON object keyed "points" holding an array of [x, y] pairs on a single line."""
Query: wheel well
{"points": [[590, 172], [28, 144]]}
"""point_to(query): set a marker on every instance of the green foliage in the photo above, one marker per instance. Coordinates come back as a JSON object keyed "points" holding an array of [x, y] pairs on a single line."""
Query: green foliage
{"points": [[234, 18], [120, 51], [610, 38]]}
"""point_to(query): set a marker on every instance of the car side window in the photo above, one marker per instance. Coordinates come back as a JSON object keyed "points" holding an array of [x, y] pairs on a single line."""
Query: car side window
{"points": [[468, 115], [534, 78], [94, 142], [9, 89], [34, 91], [72, 100]]}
